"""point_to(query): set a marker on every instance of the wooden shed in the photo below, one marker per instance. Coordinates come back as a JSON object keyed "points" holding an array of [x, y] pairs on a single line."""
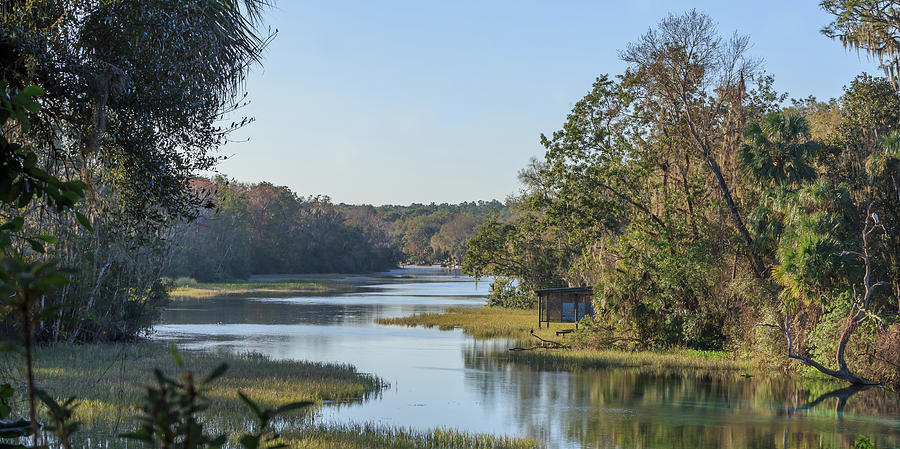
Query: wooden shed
{"points": [[564, 305]]}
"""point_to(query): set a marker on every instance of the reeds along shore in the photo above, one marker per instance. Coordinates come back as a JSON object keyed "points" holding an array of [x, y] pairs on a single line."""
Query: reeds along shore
{"points": [[109, 382], [496, 322], [203, 290]]}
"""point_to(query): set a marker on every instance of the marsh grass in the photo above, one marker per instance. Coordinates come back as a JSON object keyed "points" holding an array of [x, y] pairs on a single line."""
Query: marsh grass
{"points": [[480, 322], [363, 436], [203, 290], [594, 359], [494, 322], [110, 382]]}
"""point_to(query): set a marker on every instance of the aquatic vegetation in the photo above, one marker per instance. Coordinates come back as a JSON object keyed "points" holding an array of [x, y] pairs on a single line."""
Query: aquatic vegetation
{"points": [[482, 322], [582, 359], [375, 436], [203, 290], [493, 322], [110, 380]]}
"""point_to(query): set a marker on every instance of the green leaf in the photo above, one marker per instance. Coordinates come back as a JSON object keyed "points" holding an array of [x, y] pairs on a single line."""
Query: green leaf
{"points": [[250, 441], [140, 435], [84, 221], [48, 238], [33, 107], [216, 373], [33, 90], [293, 406], [6, 392], [52, 281], [36, 245], [14, 225], [47, 400], [23, 120], [253, 406], [176, 356], [30, 161]]}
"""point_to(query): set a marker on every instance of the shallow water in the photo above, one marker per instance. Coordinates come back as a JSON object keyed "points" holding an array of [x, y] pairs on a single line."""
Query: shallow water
{"points": [[447, 379]]}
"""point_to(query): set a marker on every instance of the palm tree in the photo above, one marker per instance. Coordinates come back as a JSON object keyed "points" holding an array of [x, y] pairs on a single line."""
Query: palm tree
{"points": [[777, 150]]}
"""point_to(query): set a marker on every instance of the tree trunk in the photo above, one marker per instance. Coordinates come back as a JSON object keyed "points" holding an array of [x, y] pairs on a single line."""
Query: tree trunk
{"points": [[843, 373], [758, 266]]}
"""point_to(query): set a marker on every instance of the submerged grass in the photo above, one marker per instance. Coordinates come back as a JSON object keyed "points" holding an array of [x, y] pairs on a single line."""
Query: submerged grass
{"points": [[494, 322], [204, 290]]}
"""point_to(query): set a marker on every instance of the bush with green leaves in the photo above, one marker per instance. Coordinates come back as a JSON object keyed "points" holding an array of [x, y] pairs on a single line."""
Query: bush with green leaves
{"points": [[505, 292]]}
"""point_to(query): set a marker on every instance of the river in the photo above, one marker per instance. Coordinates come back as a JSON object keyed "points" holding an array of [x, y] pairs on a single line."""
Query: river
{"points": [[448, 379]]}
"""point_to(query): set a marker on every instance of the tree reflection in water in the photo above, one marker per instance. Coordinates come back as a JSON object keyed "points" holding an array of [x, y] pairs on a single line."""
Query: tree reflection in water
{"points": [[648, 408], [842, 394]]}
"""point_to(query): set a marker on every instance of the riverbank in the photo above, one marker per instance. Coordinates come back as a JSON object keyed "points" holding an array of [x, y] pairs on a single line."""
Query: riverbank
{"points": [[480, 322], [495, 322], [286, 288], [369, 436], [109, 382]]}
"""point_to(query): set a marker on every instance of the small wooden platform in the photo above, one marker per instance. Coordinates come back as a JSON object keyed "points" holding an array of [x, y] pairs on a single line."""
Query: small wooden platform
{"points": [[564, 332]]}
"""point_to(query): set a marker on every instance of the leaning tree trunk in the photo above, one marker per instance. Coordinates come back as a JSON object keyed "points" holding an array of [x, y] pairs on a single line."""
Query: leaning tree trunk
{"points": [[758, 267], [859, 313]]}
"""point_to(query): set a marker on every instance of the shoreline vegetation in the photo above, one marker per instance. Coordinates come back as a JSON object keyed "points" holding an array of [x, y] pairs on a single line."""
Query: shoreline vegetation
{"points": [[109, 381], [517, 324], [185, 290]]}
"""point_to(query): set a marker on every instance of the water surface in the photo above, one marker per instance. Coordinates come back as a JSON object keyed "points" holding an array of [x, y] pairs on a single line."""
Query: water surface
{"points": [[447, 379]]}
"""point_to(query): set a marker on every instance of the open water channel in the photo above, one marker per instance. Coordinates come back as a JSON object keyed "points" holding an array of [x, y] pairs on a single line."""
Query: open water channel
{"points": [[448, 379]]}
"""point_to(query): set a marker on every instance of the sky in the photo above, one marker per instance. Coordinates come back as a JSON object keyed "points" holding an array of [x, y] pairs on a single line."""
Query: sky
{"points": [[399, 102]]}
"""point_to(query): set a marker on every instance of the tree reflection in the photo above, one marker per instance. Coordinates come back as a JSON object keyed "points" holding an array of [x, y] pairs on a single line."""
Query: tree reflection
{"points": [[656, 408], [842, 394]]}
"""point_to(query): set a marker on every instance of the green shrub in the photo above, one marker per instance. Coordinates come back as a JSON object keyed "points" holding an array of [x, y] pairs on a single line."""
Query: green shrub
{"points": [[505, 292]]}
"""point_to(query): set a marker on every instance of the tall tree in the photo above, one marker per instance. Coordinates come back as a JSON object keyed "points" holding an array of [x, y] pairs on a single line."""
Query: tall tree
{"points": [[135, 95], [869, 25], [690, 83]]}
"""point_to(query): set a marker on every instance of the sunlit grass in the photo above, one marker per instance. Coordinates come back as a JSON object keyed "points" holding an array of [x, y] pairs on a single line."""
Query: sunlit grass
{"points": [[374, 436], [203, 290], [480, 322], [584, 359], [493, 322], [110, 380]]}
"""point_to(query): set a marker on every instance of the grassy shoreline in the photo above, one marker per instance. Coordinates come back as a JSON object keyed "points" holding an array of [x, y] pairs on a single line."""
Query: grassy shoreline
{"points": [[109, 381], [494, 322], [480, 322], [276, 289]]}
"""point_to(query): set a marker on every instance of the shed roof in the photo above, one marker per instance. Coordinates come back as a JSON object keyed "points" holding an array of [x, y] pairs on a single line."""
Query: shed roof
{"points": [[570, 290]]}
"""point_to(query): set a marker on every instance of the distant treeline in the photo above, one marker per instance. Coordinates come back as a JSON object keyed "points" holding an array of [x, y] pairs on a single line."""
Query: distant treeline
{"points": [[432, 233], [247, 229]]}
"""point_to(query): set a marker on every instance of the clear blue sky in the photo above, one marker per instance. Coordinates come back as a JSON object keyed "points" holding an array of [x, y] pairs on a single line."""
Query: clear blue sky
{"points": [[388, 102]]}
